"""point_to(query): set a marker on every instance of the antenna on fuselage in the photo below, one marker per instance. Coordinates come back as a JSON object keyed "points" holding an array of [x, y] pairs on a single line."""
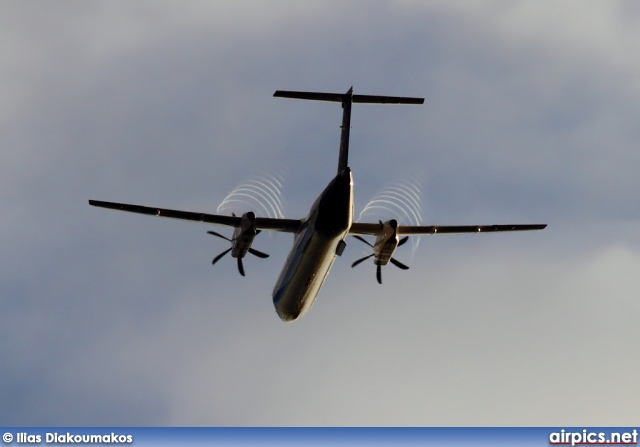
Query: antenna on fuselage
{"points": [[347, 99]]}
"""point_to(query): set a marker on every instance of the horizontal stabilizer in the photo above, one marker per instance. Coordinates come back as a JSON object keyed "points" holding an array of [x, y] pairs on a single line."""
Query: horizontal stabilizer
{"points": [[312, 96], [376, 99], [339, 97]]}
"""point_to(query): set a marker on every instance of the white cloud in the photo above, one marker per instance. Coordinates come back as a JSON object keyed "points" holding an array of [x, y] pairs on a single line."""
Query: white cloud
{"points": [[525, 335]]}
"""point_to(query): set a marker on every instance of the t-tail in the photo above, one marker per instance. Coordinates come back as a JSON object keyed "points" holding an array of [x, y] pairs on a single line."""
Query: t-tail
{"points": [[347, 99]]}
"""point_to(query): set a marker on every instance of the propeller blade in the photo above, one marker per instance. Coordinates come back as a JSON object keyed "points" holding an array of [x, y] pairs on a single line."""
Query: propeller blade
{"points": [[217, 258], [363, 240], [403, 240], [240, 266], [360, 260], [379, 274], [257, 253], [398, 264], [219, 235]]}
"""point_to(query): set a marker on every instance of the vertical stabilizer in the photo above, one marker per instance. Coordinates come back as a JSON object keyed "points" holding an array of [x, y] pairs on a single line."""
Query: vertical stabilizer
{"points": [[343, 158]]}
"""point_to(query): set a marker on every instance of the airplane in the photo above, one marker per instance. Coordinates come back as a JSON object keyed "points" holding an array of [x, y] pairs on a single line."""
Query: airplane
{"points": [[320, 236]]}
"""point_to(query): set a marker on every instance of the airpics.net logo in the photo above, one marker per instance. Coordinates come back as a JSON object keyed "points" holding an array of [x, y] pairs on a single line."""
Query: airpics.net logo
{"points": [[590, 437]]}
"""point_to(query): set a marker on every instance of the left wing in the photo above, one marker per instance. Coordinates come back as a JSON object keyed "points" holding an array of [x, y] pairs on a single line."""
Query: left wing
{"points": [[412, 230], [262, 223]]}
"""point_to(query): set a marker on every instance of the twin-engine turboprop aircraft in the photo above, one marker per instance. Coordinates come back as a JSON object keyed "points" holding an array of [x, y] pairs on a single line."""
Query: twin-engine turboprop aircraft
{"points": [[320, 236]]}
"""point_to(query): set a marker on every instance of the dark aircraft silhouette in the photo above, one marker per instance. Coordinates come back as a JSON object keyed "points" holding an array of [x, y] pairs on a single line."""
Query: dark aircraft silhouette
{"points": [[319, 237]]}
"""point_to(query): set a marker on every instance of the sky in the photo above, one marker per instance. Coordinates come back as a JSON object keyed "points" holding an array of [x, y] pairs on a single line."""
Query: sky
{"points": [[530, 116]]}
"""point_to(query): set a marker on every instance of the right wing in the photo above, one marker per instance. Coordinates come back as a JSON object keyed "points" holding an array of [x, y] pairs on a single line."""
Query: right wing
{"points": [[414, 230], [262, 223]]}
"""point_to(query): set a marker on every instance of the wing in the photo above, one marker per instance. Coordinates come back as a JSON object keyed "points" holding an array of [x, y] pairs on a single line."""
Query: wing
{"points": [[375, 229], [262, 223]]}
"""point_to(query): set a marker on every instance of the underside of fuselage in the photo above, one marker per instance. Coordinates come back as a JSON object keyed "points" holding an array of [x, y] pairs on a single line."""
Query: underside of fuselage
{"points": [[314, 248], [296, 296]]}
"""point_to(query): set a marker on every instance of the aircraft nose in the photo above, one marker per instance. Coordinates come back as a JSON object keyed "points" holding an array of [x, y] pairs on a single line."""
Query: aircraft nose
{"points": [[280, 307], [282, 310], [285, 315]]}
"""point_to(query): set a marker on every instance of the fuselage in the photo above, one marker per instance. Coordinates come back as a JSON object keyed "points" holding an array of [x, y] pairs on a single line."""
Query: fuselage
{"points": [[314, 248]]}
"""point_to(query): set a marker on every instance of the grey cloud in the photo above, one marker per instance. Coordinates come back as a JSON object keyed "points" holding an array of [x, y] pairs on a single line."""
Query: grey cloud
{"points": [[110, 318]]}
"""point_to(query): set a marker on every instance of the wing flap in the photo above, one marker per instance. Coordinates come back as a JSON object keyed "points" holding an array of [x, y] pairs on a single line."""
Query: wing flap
{"points": [[273, 224], [262, 223], [365, 228]]}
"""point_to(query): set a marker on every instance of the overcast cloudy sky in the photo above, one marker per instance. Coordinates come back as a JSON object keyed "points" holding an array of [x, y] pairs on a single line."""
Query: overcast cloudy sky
{"points": [[531, 116]]}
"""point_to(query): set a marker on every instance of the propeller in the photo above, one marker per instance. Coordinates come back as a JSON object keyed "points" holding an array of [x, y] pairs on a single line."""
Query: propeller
{"points": [[251, 250], [395, 262]]}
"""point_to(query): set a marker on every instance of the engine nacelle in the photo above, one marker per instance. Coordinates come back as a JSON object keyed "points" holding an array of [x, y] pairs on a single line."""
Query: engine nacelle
{"points": [[244, 235], [386, 243]]}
